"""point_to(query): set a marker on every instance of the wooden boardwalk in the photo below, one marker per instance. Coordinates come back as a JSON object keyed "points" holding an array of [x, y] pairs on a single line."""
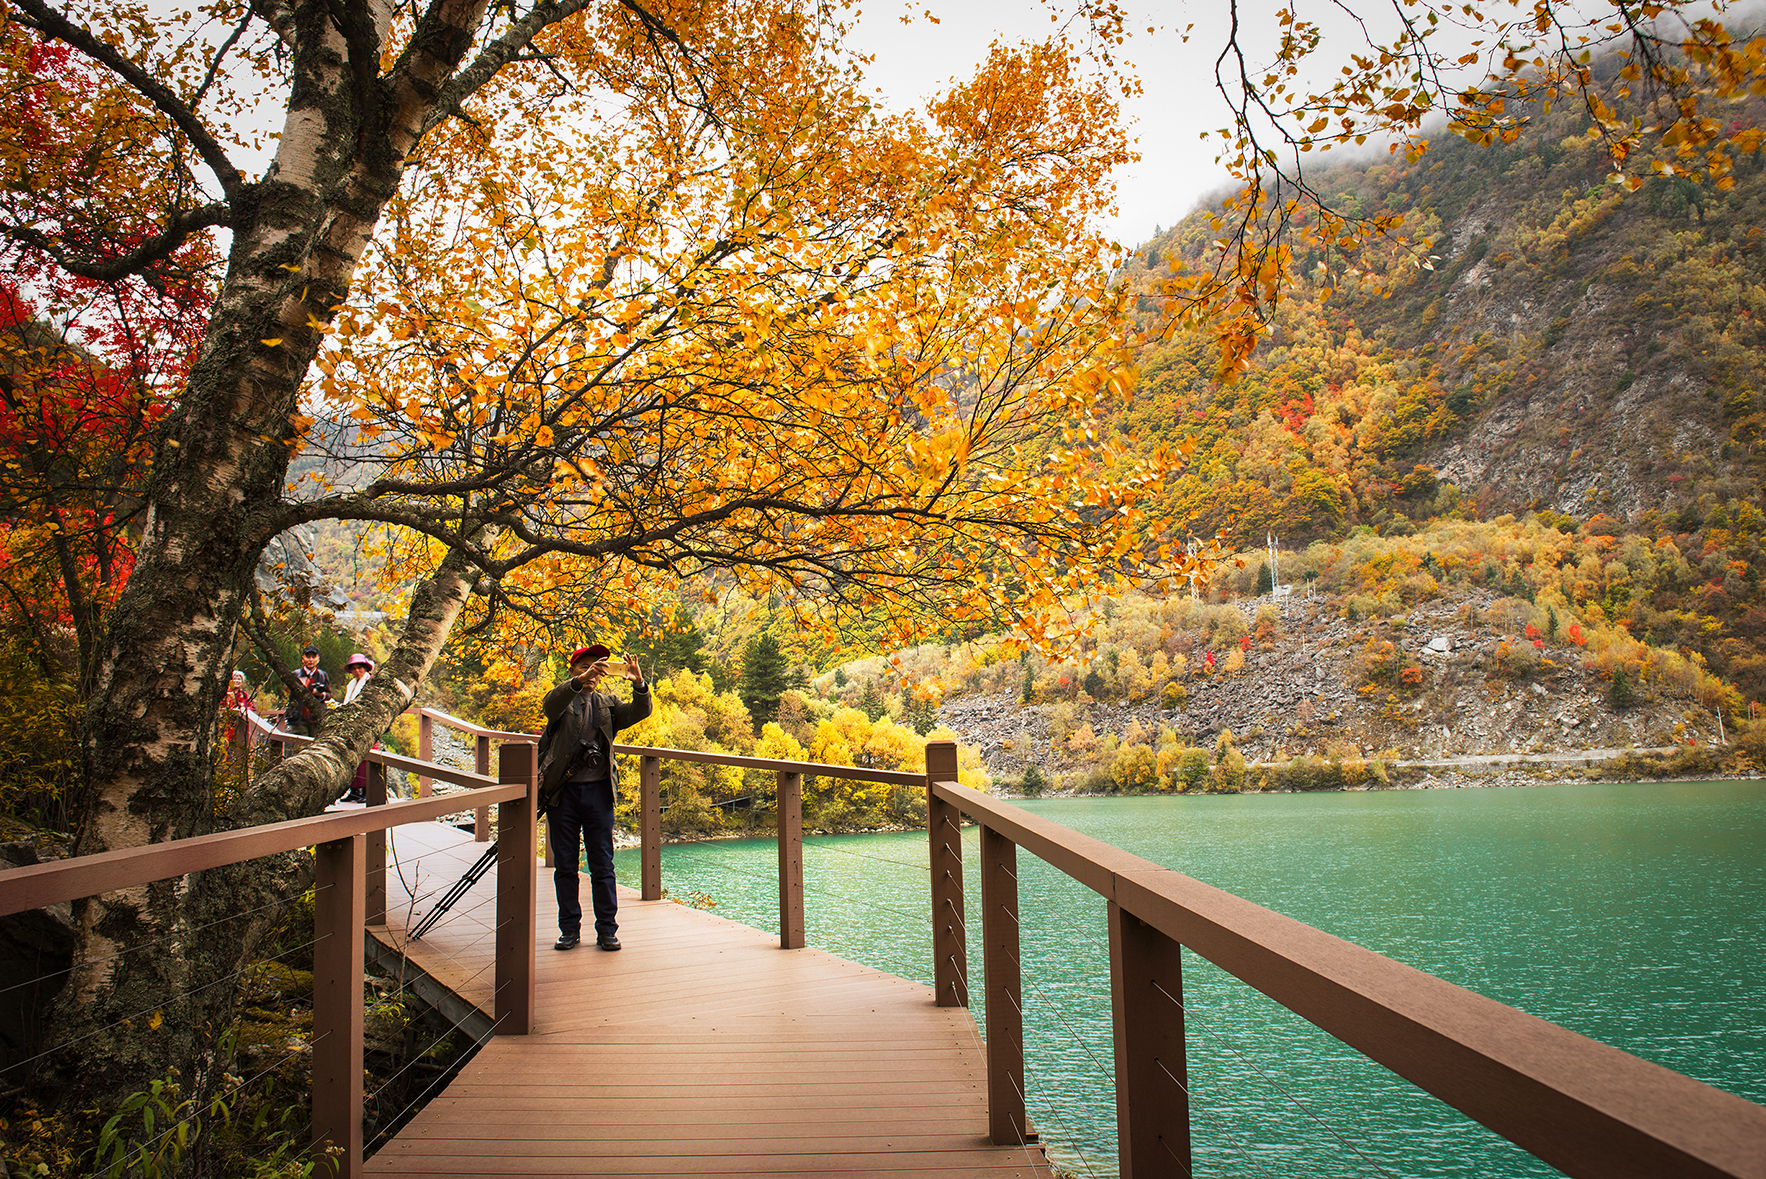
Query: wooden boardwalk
{"points": [[700, 1049]]}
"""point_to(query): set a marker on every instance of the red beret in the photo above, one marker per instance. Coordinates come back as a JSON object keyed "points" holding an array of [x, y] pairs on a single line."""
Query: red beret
{"points": [[593, 652]]}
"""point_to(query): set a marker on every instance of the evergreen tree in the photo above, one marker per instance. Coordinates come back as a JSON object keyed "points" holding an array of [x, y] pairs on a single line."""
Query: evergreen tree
{"points": [[1265, 579], [673, 644], [1033, 783], [765, 676], [871, 703]]}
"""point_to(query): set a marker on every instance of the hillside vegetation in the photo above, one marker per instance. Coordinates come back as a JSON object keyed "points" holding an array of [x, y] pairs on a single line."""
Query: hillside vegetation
{"points": [[1540, 454], [1582, 354]]}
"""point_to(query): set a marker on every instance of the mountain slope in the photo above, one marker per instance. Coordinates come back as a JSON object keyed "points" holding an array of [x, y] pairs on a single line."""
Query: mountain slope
{"points": [[1592, 356]]}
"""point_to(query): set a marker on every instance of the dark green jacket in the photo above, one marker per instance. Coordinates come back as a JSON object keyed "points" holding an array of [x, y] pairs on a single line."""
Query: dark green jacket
{"points": [[585, 714]]}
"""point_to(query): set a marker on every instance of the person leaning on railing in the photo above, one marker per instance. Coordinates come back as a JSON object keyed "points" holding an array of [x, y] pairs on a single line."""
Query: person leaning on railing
{"points": [[579, 787]]}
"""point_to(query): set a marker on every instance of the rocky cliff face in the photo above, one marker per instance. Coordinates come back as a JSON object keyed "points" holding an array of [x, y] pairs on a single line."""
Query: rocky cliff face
{"points": [[1308, 692]]}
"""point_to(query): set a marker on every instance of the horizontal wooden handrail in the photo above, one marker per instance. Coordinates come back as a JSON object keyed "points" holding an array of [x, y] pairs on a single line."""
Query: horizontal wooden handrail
{"points": [[410, 765], [38, 885], [1581, 1105], [466, 726], [807, 768], [775, 765]]}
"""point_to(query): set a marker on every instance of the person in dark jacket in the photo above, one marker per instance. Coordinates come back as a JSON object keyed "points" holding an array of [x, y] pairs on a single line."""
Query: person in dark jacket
{"points": [[579, 786], [301, 719]]}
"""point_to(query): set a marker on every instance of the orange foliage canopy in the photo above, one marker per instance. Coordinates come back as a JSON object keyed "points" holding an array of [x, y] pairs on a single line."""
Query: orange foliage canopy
{"points": [[844, 358]]}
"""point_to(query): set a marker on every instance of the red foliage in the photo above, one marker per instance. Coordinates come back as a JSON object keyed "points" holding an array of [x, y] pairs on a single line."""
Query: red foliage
{"points": [[1576, 635], [1295, 412], [87, 369]]}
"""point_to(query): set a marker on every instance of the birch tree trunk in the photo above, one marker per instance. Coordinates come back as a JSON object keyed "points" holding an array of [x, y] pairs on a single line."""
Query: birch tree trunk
{"points": [[150, 986]]}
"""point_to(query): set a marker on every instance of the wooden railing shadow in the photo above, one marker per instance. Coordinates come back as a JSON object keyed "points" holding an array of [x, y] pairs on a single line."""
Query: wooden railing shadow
{"points": [[1583, 1106]]}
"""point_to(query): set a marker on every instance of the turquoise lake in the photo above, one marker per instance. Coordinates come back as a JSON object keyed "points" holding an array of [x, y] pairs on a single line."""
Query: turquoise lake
{"points": [[1631, 913]]}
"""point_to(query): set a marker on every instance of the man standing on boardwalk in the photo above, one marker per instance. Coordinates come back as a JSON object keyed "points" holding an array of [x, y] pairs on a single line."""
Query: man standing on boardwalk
{"points": [[579, 786]]}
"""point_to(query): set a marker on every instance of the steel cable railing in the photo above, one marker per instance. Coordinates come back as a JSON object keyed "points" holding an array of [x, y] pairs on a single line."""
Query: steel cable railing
{"points": [[410, 885], [981, 1051], [142, 1149], [1271, 1081], [1107, 1075], [343, 860], [679, 848], [390, 1126], [145, 1011], [1191, 1016], [1174, 913], [211, 1102], [169, 939]]}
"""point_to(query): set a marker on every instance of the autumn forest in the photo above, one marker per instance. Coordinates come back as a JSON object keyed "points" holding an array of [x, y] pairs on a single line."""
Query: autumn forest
{"points": [[553, 321]]}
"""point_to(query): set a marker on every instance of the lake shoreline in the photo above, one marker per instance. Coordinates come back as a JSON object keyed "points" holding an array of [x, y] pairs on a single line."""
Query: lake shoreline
{"points": [[1504, 779]]}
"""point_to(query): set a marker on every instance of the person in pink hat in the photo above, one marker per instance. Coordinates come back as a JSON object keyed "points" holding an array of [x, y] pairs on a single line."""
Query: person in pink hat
{"points": [[579, 786], [359, 668]]}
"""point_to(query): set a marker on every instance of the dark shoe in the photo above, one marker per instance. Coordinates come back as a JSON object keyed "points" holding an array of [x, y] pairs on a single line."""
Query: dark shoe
{"points": [[607, 942], [567, 941]]}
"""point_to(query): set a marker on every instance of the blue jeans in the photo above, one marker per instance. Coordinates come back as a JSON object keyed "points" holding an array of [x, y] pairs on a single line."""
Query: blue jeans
{"points": [[582, 817]]}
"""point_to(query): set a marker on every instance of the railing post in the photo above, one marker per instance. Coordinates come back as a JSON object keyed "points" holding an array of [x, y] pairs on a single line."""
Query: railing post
{"points": [[513, 1005], [425, 750], [239, 737], [790, 860], [375, 869], [1005, 990], [481, 828], [650, 828], [338, 886], [950, 955], [1152, 1079]]}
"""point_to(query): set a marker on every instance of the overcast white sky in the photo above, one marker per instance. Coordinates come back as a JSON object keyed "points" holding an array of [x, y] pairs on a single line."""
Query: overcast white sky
{"points": [[1178, 101]]}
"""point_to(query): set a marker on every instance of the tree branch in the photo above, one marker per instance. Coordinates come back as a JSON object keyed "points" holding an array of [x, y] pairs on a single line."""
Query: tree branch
{"points": [[51, 23], [158, 248]]}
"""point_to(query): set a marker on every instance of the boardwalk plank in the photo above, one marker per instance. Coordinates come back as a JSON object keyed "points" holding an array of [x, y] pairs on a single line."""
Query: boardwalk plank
{"points": [[700, 1049]]}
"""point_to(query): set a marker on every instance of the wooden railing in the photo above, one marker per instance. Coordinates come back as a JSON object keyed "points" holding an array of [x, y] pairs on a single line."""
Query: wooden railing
{"points": [[789, 808], [481, 745], [350, 893], [1584, 1107]]}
